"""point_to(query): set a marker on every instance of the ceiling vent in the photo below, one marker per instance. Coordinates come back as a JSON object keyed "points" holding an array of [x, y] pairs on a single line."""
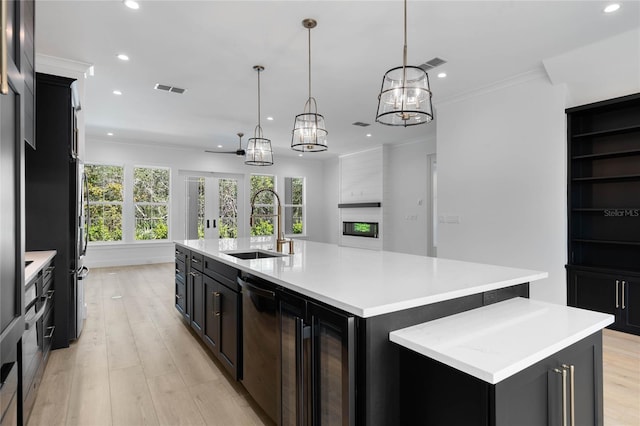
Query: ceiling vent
{"points": [[435, 62], [166, 88], [361, 124]]}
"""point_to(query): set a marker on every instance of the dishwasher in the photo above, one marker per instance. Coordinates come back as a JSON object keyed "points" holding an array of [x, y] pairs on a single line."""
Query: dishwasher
{"points": [[260, 343]]}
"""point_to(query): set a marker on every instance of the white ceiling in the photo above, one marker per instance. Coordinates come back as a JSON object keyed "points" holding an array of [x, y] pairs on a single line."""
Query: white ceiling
{"points": [[210, 47]]}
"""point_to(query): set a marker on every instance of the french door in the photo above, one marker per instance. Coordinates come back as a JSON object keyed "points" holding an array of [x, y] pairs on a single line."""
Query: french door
{"points": [[212, 207]]}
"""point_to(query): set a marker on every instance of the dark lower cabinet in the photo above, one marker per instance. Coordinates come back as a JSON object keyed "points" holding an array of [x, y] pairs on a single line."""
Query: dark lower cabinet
{"points": [[563, 389], [196, 289], [317, 347], [614, 294], [210, 305], [220, 330]]}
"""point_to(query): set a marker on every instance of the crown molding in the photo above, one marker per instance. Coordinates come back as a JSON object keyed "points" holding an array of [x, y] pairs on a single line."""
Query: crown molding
{"points": [[61, 66]]}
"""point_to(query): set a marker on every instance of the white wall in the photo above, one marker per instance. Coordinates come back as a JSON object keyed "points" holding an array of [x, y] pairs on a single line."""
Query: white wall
{"points": [[407, 224], [182, 159], [331, 169], [502, 170], [603, 70]]}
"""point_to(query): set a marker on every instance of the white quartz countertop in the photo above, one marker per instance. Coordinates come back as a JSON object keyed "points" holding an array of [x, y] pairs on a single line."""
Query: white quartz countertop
{"points": [[365, 282], [39, 259], [497, 341]]}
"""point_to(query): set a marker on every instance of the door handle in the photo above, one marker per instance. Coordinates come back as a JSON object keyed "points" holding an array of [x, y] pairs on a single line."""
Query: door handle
{"points": [[563, 372], [617, 294], [572, 392], [4, 84], [623, 283]]}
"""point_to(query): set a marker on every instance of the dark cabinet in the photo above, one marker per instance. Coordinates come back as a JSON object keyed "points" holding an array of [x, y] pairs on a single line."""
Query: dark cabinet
{"points": [[196, 300], [563, 389], [603, 147], [181, 281], [38, 334], [206, 294], [618, 295], [221, 323], [317, 347], [16, 127]]}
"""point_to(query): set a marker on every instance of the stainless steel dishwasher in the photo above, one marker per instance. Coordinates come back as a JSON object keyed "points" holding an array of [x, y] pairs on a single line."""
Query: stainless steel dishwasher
{"points": [[260, 343]]}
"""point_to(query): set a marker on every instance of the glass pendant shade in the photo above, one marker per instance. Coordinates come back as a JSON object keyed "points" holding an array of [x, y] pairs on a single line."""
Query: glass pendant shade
{"points": [[309, 133], [405, 97], [258, 152]]}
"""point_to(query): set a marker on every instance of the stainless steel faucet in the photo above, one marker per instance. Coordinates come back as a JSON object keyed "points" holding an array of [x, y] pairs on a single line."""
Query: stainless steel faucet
{"points": [[280, 240]]}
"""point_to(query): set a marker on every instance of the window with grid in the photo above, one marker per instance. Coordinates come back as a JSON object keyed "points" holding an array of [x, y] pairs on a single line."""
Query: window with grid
{"points": [[105, 196], [151, 203], [294, 205], [264, 206]]}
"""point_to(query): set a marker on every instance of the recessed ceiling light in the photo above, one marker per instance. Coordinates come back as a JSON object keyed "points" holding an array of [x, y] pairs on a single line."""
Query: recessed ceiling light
{"points": [[131, 4], [109, 134], [270, 118], [123, 57], [219, 146], [299, 155], [612, 8], [117, 92], [442, 75], [368, 135]]}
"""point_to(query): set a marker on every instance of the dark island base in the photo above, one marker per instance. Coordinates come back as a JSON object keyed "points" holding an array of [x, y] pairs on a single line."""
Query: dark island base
{"points": [[378, 385]]}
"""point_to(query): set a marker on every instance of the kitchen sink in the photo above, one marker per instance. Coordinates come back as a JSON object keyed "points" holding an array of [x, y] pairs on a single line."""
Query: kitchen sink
{"points": [[255, 254]]}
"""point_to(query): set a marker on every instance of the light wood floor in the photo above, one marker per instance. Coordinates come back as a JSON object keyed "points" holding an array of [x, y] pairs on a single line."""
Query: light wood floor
{"points": [[136, 363]]}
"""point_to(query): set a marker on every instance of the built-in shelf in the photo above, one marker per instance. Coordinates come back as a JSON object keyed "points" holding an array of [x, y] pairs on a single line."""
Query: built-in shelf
{"points": [[359, 205], [604, 155], [602, 209], [615, 242], [606, 178], [607, 132]]}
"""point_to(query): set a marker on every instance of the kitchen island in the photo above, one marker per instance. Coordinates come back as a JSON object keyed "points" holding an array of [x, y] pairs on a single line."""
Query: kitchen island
{"points": [[335, 309]]}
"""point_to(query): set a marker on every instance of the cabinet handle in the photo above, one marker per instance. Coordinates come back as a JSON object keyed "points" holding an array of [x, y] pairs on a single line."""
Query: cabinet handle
{"points": [[216, 303], [572, 394], [623, 283], [193, 260], [4, 84], [193, 274], [617, 294], [50, 335], [49, 294], [177, 271], [178, 297], [564, 394]]}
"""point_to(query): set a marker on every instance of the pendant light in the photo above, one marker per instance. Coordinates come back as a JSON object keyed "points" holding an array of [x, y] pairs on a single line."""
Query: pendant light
{"points": [[259, 151], [405, 96], [309, 133]]}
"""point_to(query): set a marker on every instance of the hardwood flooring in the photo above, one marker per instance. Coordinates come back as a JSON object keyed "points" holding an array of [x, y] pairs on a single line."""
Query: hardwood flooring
{"points": [[136, 363]]}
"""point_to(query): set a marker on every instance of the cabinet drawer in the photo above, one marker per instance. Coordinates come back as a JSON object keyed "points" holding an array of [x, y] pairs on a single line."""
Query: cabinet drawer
{"points": [[221, 272], [181, 270], [196, 261], [47, 275], [181, 253]]}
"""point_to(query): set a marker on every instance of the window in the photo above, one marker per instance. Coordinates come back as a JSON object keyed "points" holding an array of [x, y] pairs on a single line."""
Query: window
{"points": [[293, 205], [228, 192], [151, 203], [264, 205], [105, 195]]}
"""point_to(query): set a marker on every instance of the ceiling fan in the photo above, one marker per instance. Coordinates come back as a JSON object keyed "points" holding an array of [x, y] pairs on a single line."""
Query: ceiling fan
{"points": [[239, 152]]}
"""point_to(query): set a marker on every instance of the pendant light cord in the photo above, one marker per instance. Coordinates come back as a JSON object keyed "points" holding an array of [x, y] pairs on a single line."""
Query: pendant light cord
{"points": [[404, 55], [309, 29], [259, 102]]}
